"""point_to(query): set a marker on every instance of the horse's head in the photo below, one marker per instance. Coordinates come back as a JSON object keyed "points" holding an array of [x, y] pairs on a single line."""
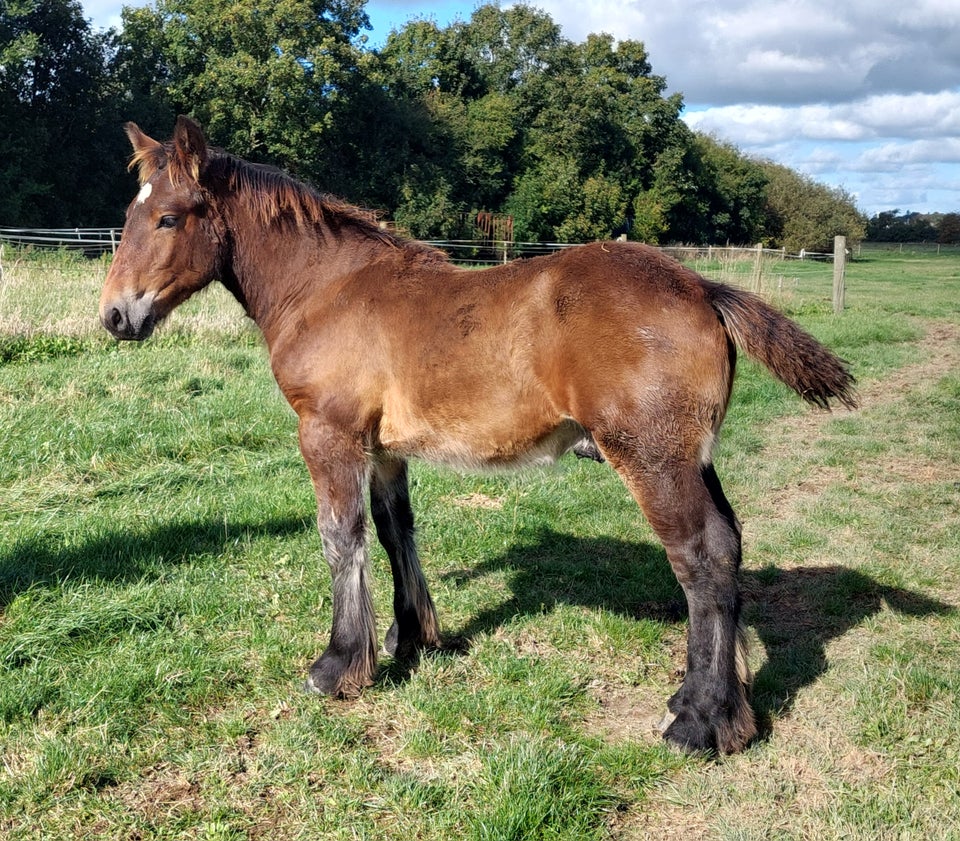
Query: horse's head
{"points": [[170, 246]]}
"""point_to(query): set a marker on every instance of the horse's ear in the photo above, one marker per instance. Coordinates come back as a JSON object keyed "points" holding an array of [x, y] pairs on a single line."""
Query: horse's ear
{"points": [[147, 152], [189, 147], [138, 139]]}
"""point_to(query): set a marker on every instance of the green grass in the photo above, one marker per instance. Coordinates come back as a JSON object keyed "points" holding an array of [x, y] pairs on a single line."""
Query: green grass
{"points": [[162, 592]]}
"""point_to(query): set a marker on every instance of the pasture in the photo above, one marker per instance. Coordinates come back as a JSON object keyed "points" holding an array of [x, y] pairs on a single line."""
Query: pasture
{"points": [[162, 593]]}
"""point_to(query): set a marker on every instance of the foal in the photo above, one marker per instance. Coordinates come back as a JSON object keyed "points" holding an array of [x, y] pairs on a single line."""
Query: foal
{"points": [[386, 351]]}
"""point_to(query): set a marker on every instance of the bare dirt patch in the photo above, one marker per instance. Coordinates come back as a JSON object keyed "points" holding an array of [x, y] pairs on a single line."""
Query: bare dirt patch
{"points": [[161, 796], [634, 712], [478, 500], [625, 713], [782, 789], [940, 348]]}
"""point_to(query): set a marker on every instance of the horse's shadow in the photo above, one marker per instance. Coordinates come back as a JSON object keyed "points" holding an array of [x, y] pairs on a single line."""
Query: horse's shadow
{"points": [[122, 556], [796, 612]]}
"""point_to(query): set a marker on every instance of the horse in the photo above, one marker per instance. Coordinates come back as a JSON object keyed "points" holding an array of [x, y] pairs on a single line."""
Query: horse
{"points": [[387, 351]]}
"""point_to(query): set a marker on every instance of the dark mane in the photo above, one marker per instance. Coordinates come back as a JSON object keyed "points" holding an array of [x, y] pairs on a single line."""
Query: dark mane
{"points": [[277, 197]]}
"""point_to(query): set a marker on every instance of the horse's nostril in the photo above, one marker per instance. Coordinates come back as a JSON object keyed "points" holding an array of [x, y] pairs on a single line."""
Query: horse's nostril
{"points": [[116, 317]]}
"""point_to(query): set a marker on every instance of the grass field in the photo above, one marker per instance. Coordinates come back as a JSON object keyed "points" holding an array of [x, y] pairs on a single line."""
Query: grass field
{"points": [[162, 592]]}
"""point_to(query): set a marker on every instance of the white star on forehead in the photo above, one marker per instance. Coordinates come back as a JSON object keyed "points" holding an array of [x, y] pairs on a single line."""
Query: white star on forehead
{"points": [[144, 193]]}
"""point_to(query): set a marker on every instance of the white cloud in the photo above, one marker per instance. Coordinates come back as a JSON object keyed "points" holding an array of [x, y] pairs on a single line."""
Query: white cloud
{"points": [[892, 157], [762, 125], [777, 61], [762, 51], [914, 116]]}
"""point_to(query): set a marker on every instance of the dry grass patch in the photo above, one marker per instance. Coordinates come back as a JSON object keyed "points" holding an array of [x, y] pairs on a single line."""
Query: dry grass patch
{"points": [[479, 500]]}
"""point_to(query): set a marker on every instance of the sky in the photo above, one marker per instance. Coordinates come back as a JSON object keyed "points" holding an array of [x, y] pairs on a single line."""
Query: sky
{"points": [[858, 94]]}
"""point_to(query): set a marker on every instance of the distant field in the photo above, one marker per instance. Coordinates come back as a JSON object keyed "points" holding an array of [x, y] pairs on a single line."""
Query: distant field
{"points": [[162, 592]]}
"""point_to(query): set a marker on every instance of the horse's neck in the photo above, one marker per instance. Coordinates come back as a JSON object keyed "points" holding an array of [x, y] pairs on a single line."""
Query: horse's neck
{"points": [[273, 271]]}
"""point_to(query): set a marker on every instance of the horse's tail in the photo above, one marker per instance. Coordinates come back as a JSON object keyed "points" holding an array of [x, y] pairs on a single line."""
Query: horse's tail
{"points": [[793, 356]]}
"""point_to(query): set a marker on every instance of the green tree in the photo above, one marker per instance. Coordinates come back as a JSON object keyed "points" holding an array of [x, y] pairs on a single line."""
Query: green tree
{"points": [[581, 141], [599, 120], [671, 207], [396, 143], [59, 129], [141, 73], [562, 135], [498, 50], [497, 113], [892, 226], [264, 78], [734, 188], [949, 230], [805, 215], [453, 95]]}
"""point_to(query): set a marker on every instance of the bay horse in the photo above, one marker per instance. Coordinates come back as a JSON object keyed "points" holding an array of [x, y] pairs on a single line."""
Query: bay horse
{"points": [[387, 351]]}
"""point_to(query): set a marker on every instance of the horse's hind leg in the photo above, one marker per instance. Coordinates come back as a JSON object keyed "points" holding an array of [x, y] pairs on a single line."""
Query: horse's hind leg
{"points": [[415, 618], [686, 507]]}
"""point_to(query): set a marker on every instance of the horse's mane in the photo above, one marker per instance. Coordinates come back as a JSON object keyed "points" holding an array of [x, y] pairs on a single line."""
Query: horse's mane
{"points": [[274, 196]]}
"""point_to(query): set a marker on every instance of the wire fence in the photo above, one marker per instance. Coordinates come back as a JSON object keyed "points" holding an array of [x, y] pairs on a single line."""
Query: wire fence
{"points": [[909, 248], [94, 242], [487, 252], [29, 255]]}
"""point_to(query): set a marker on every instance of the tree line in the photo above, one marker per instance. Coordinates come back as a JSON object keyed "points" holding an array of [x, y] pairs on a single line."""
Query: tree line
{"points": [[894, 226], [499, 113]]}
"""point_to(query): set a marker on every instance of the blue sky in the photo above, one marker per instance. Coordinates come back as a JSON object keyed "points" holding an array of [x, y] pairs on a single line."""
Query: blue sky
{"points": [[857, 94]]}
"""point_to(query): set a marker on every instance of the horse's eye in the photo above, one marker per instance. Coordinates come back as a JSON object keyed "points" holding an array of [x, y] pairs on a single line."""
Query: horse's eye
{"points": [[167, 222]]}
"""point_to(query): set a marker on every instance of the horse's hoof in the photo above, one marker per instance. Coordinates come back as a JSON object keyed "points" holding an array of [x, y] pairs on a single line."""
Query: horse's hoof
{"points": [[338, 675], [701, 734], [311, 688], [689, 733], [408, 648], [392, 640], [317, 685]]}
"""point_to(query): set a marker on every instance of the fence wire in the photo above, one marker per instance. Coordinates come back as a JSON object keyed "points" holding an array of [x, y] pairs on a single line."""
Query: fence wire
{"points": [[94, 242], [91, 241]]}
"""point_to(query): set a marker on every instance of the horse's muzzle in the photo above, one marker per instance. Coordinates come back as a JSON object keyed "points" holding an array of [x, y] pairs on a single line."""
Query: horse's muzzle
{"points": [[129, 322]]}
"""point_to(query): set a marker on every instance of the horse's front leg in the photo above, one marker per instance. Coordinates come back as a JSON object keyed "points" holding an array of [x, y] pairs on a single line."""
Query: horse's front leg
{"points": [[415, 618], [338, 467]]}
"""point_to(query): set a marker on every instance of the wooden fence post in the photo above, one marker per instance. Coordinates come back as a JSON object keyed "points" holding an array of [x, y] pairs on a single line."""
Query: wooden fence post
{"points": [[757, 284], [839, 264]]}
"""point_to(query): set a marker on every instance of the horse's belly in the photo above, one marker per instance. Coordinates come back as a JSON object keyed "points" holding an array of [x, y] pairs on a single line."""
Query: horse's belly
{"points": [[482, 445]]}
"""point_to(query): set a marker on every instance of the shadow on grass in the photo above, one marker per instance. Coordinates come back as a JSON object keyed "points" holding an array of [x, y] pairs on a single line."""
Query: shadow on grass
{"points": [[796, 612], [124, 556]]}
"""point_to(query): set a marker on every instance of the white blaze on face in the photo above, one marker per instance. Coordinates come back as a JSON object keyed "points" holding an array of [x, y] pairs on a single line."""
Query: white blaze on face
{"points": [[144, 193]]}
